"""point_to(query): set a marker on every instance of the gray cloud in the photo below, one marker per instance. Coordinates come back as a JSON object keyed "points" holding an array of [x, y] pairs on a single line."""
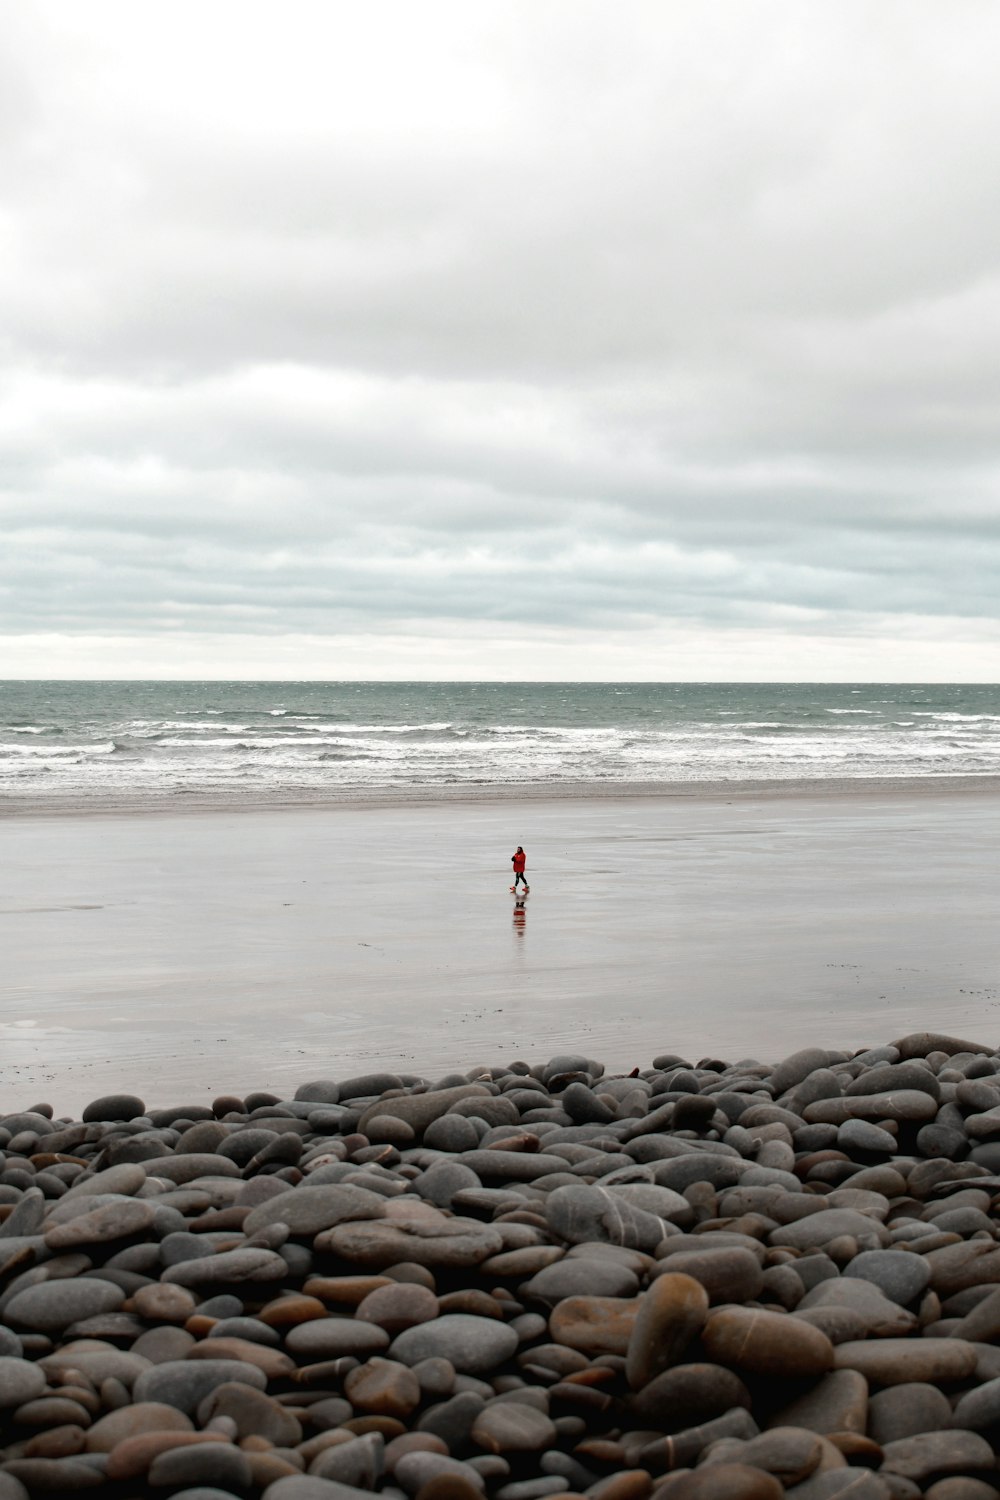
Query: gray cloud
{"points": [[366, 322]]}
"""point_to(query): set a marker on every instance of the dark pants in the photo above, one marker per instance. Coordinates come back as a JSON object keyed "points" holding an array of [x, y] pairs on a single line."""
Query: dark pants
{"points": [[519, 875]]}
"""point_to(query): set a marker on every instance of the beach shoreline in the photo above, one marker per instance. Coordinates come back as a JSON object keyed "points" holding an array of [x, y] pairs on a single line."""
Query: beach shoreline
{"points": [[31, 805], [258, 946]]}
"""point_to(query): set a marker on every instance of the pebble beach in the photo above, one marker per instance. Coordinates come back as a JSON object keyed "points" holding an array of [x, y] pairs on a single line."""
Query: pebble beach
{"points": [[704, 1280], [329, 1168]]}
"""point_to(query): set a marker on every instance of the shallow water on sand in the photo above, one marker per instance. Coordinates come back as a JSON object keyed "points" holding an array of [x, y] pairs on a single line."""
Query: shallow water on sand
{"points": [[185, 956]]}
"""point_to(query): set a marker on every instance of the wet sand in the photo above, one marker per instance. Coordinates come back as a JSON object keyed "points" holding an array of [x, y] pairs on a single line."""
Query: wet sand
{"points": [[183, 956]]}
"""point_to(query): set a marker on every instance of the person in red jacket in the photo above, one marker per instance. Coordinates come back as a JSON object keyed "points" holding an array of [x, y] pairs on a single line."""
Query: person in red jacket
{"points": [[519, 860]]}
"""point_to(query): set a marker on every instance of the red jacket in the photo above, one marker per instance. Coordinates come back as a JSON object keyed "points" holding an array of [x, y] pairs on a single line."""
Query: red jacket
{"points": [[518, 860]]}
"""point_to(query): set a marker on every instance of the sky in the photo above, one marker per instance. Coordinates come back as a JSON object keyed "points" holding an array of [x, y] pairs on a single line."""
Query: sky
{"points": [[626, 339]]}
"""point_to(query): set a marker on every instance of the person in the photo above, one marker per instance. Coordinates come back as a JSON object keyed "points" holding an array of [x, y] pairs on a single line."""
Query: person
{"points": [[519, 860]]}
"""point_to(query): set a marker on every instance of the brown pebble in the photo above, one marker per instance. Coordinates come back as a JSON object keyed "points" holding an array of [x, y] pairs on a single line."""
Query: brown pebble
{"points": [[412, 1442], [689, 1394], [274, 1363], [286, 1312], [57, 1442], [594, 1325], [767, 1343], [630, 1484], [470, 1300], [449, 1487], [345, 1291], [389, 1427], [133, 1456], [671, 1313], [398, 1305], [163, 1302], [725, 1482], [383, 1387], [268, 1468], [133, 1421]]}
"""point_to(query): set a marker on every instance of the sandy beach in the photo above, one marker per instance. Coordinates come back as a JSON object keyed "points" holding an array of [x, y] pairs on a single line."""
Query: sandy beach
{"points": [[186, 955]]}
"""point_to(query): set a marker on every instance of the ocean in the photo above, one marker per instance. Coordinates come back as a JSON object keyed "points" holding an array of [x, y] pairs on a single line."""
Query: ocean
{"points": [[96, 742]]}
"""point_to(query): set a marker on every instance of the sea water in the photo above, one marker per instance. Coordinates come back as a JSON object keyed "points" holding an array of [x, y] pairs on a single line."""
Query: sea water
{"points": [[100, 741]]}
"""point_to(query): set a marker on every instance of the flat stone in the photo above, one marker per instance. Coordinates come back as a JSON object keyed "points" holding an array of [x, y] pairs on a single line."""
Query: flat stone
{"points": [[53, 1475], [53, 1305], [902, 1411], [581, 1277], [358, 1462], [766, 1343], [897, 1361], [979, 1409], [923, 1043], [688, 1394], [900, 1274], [229, 1267], [218, 1465], [20, 1381], [113, 1221], [819, 1229], [399, 1305], [796, 1068], [670, 1315], [414, 1470], [930, 1454], [114, 1107], [333, 1338], [473, 1345], [837, 1403], [185, 1383], [726, 1481], [512, 1427], [862, 1135], [418, 1110], [880, 1318], [728, 1275], [275, 1364], [455, 1243], [383, 1387], [790, 1453], [594, 1325], [957, 1266], [905, 1104], [307, 1209], [131, 1421], [582, 1214], [892, 1077]]}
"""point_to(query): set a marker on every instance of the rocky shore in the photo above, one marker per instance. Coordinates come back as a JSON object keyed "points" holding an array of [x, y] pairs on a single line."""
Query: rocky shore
{"points": [[702, 1281]]}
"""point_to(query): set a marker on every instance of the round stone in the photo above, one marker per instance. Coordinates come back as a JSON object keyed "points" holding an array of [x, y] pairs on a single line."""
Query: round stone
{"points": [[728, 1275], [397, 1306], [594, 1325], [333, 1338], [897, 1361], [383, 1387], [767, 1343], [513, 1427], [726, 1481], [899, 1274], [20, 1381], [114, 1107], [473, 1345], [687, 1395]]}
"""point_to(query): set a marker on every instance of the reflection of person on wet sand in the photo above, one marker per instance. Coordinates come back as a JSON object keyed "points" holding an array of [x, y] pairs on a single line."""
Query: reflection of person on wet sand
{"points": [[519, 859], [520, 916]]}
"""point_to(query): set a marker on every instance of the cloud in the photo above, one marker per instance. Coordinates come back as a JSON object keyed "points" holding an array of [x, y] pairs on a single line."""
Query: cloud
{"points": [[373, 323]]}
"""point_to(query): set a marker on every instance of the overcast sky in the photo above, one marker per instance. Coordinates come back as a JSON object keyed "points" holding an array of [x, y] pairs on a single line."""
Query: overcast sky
{"points": [[548, 338]]}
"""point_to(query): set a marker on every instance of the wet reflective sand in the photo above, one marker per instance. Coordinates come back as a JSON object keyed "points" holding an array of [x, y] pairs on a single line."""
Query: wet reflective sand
{"points": [[183, 956]]}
